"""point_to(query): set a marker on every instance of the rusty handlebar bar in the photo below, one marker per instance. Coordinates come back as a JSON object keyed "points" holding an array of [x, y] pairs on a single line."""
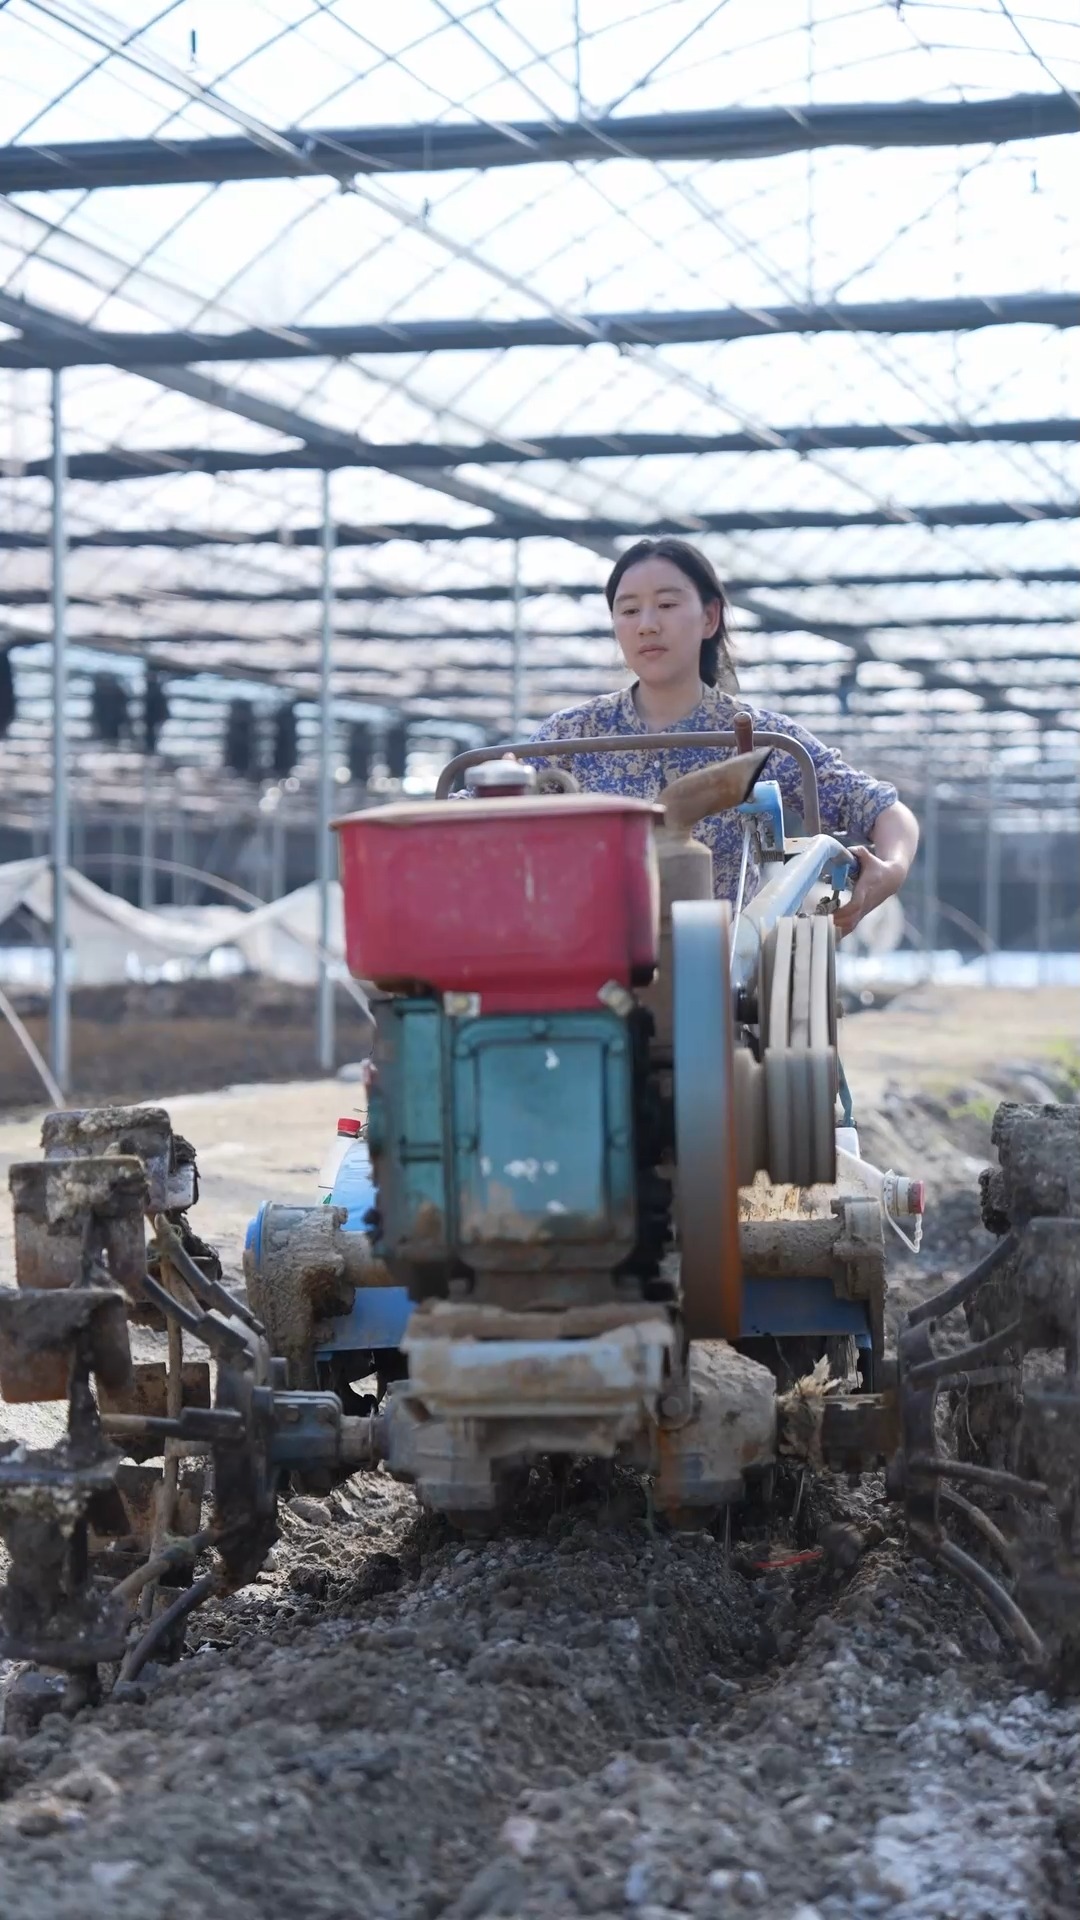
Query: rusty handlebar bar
{"points": [[651, 743]]}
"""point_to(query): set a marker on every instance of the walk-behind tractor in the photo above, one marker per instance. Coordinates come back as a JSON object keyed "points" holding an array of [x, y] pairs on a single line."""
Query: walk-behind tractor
{"points": [[613, 1217]]}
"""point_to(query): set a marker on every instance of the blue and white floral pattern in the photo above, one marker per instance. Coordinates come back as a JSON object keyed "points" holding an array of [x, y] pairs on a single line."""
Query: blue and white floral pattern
{"points": [[850, 801]]}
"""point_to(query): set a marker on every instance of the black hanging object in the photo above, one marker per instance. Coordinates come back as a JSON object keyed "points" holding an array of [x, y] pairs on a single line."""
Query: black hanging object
{"points": [[397, 752], [241, 753], [359, 754], [155, 712], [110, 716], [7, 694], [285, 749]]}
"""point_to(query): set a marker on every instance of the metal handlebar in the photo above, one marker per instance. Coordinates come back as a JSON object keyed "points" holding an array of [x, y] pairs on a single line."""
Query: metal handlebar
{"points": [[649, 743]]}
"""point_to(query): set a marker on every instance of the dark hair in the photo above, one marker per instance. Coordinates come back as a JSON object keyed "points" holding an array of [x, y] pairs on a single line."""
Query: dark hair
{"points": [[715, 665]]}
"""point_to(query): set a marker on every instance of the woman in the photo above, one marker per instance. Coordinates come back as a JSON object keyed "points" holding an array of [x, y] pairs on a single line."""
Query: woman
{"points": [[667, 605]]}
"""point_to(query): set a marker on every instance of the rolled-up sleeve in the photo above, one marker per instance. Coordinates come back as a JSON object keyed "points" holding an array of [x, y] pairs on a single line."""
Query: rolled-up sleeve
{"points": [[850, 800]]}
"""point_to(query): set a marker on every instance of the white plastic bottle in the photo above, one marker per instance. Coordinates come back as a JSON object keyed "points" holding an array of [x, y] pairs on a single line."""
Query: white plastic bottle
{"points": [[349, 1129]]}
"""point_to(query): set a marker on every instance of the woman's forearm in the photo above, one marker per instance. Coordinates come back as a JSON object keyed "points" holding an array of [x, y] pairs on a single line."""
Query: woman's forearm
{"points": [[895, 837], [883, 865]]}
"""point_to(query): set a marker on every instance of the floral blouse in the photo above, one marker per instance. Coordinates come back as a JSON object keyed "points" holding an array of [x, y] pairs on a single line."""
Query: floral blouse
{"points": [[850, 801]]}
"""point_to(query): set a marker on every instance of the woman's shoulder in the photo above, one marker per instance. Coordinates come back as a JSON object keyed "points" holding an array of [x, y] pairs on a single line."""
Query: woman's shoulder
{"points": [[605, 714]]}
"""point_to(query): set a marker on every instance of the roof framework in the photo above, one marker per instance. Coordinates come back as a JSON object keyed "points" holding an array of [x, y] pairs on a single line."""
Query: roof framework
{"points": [[474, 250], [344, 152], [45, 347]]}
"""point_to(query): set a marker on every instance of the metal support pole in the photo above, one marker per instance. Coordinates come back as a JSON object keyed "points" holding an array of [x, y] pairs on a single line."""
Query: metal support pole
{"points": [[1042, 901], [930, 876], [577, 61], [277, 852], [326, 731], [992, 878], [180, 858], [147, 889], [517, 681], [810, 156], [60, 1020], [116, 858]]}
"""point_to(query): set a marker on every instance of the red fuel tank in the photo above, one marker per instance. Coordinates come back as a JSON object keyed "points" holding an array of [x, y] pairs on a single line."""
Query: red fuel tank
{"points": [[530, 902]]}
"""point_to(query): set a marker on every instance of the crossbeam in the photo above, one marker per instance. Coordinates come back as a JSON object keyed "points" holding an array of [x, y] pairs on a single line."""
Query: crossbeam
{"points": [[128, 463], [724, 134], [487, 592], [169, 349], [846, 632], [975, 513]]}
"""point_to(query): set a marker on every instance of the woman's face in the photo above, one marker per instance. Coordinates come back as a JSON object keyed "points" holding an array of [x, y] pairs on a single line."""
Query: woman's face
{"points": [[660, 622]]}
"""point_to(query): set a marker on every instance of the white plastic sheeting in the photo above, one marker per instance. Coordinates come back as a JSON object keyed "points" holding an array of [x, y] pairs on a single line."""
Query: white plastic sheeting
{"points": [[111, 941]]}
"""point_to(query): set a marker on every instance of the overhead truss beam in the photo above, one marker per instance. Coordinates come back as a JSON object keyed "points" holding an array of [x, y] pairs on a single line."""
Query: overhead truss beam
{"points": [[846, 632], [484, 592], [725, 134], [154, 349], [978, 513], [123, 463]]}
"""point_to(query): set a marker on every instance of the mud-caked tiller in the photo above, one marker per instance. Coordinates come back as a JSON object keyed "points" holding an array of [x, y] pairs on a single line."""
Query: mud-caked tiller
{"points": [[613, 1216]]}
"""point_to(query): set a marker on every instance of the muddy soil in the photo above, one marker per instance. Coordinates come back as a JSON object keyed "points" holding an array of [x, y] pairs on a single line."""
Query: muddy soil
{"points": [[590, 1715], [130, 1042]]}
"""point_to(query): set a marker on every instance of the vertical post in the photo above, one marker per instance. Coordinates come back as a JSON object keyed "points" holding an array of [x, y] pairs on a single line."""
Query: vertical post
{"points": [[147, 888], [277, 852], [930, 876], [1042, 901], [517, 681], [992, 878], [577, 61], [326, 728], [810, 155], [116, 857], [178, 889], [60, 1020]]}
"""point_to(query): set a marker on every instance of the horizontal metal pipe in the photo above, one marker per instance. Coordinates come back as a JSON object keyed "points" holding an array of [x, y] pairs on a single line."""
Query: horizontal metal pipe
{"points": [[483, 591], [646, 744], [726, 133], [518, 526], [133, 463], [96, 347]]}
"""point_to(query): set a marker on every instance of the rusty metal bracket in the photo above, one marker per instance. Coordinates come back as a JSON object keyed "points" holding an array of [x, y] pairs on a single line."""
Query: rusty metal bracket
{"points": [[69, 1213], [40, 1330], [144, 1133]]}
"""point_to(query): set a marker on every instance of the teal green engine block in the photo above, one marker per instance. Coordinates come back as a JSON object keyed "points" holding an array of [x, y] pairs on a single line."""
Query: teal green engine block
{"points": [[504, 1152]]}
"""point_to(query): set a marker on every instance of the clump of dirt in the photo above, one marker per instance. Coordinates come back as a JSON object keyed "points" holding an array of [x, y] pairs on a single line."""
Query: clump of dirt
{"points": [[944, 1140]]}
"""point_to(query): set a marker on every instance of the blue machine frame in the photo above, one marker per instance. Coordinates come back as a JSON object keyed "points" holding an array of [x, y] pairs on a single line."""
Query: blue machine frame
{"points": [[783, 1308]]}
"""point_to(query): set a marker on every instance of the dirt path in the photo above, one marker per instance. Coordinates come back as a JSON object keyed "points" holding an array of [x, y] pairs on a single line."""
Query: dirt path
{"points": [[587, 1716], [254, 1144]]}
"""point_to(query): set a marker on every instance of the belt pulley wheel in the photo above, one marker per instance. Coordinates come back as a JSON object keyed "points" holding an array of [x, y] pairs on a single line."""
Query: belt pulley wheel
{"points": [[798, 1003], [707, 1180]]}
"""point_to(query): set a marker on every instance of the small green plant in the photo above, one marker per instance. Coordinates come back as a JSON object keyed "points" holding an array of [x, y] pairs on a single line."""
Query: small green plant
{"points": [[1066, 1057], [980, 1106]]}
